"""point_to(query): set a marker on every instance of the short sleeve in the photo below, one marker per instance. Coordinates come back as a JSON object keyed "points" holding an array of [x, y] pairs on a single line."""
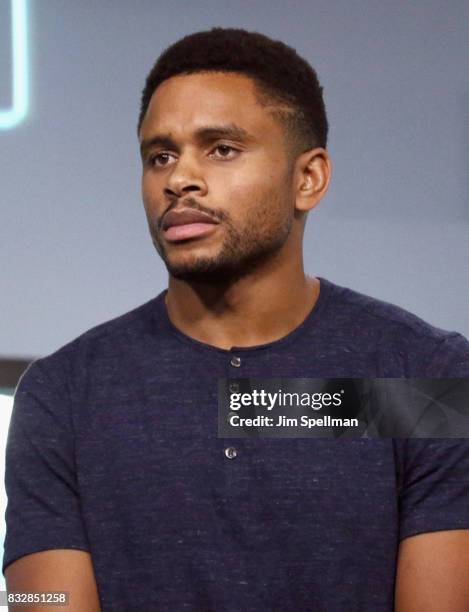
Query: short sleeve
{"points": [[450, 359], [433, 485], [43, 509]]}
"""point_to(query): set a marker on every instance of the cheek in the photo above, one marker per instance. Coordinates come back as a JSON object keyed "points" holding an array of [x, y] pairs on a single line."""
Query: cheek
{"points": [[241, 192], [151, 194]]}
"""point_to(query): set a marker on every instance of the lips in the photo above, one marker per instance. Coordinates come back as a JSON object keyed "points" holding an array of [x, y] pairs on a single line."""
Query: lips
{"points": [[181, 224], [185, 216]]}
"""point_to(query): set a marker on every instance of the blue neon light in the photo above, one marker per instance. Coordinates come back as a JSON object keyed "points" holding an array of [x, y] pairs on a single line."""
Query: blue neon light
{"points": [[19, 42]]}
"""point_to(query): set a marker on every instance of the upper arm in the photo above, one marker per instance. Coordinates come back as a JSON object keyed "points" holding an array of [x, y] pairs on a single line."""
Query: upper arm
{"points": [[56, 570], [44, 499], [433, 572]]}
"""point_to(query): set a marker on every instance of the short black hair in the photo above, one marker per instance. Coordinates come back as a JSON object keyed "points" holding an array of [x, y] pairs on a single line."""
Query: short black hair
{"points": [[282, 77]]}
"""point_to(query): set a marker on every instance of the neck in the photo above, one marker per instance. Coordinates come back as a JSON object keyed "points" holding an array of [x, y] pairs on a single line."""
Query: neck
{"points": [[257, 309]]}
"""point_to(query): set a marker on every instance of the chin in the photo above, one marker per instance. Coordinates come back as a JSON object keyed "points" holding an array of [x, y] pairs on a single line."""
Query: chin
{"points": [[203, 271], [197, 274]]}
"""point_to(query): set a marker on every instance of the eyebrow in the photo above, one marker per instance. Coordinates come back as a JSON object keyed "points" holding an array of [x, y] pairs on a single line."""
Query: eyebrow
{"points": [[203, 135]]}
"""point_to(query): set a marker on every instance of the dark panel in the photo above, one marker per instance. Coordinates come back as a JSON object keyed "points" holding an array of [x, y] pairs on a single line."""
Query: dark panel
{"points": [[11, 370]]}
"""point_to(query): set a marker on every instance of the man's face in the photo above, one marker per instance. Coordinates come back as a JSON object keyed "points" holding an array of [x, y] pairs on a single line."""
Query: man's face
{"points": [[208, 145]]}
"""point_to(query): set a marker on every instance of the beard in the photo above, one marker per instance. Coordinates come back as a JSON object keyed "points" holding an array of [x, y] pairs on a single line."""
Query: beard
{"points": [[243, 249]]}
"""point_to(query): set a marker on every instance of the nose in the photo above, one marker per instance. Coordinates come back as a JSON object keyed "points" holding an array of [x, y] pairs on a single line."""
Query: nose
{"points": [[185, 177]]}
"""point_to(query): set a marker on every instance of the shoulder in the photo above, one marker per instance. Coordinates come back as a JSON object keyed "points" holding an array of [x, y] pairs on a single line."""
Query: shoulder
{"points": [[99, 348], [392, 333], [366, 312]]}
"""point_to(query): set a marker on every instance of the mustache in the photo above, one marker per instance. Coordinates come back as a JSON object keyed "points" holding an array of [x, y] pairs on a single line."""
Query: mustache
{"points": [[193, 204]]}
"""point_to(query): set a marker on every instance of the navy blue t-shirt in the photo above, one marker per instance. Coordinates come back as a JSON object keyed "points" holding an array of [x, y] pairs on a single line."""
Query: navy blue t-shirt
{"points": [[113, 449]]}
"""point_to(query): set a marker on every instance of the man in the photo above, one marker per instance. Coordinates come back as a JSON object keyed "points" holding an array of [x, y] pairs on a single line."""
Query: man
{"points": [[120, 491]]}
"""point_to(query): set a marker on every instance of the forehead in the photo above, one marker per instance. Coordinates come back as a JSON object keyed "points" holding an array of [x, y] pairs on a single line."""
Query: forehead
{"points": [[187, 102]]}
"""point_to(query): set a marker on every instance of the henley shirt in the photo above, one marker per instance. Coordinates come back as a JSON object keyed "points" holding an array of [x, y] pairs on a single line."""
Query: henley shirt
{"points": [[113, 449]]}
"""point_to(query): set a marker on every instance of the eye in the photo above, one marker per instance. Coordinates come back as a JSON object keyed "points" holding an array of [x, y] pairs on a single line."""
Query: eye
{"points": [[225, 151], [160, 160]]}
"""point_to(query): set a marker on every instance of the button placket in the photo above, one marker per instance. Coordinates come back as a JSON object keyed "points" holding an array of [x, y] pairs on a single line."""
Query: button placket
{"points": [[230, 452], [230, 415], [235, 361]]}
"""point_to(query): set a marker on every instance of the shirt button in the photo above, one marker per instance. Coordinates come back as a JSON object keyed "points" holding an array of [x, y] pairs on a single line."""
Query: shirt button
{"points": [[230, 452], [236, 362], [234, 387]]}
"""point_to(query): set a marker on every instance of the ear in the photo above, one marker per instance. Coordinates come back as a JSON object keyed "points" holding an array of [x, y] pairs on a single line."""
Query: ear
{"points": [[312, 176]]}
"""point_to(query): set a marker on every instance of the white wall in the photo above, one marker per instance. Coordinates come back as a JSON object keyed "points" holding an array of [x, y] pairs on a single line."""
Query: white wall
{"points": [[6, 405]]}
